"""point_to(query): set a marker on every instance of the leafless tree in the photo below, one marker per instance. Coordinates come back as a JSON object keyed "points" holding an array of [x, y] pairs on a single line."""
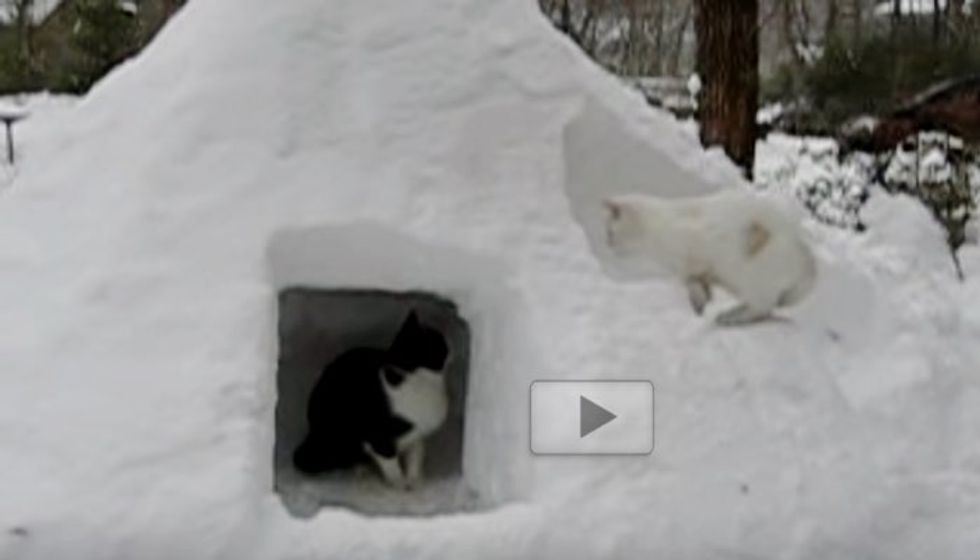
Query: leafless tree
{"points": [[677, 43], [855, 19], [20, 14], [830, 23], [956, 17], [629, 37]]}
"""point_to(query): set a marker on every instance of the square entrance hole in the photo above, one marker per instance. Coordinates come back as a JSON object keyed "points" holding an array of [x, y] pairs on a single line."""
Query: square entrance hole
{"points": [[317, 326]]}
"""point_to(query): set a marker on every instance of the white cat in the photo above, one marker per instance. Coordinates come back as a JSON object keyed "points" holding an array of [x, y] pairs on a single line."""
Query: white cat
{"points": [[734, 239]]}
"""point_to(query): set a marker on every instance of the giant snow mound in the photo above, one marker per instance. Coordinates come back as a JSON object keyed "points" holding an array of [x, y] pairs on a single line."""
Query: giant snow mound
{"points": [[455, 147]]}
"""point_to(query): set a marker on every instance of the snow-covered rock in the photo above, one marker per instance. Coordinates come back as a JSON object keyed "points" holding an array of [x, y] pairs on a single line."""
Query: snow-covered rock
{"points": [[459, 148]]}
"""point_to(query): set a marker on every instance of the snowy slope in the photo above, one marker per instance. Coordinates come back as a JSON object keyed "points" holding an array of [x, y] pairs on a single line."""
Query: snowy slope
{"points": [[443, 146]]}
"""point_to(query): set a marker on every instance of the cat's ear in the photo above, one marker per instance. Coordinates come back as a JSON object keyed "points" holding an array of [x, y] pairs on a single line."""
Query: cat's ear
{"points": [[393, 376], [614, 209], [410, 325], [413, 320]]}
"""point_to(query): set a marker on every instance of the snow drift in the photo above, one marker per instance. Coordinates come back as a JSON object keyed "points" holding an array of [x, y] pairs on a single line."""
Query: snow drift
{"points": [[443, 146]]}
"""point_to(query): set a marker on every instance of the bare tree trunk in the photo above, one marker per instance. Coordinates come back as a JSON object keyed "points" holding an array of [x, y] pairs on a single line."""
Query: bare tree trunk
{"points": [[21, 14], [638, 59], [833, 15], [850, 24], [585, 34], [787, 37], [806, 22], [633, 38], [974, 22], [937, 23], [565, 18], [896, 16], [728, 62], [659, 23], [858, 21], [955, 17], [24, 24], [589, 31], [674, 64]]}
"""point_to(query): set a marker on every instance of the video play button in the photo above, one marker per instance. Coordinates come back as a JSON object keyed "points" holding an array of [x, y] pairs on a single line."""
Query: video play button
{"points": [[591, 417]]}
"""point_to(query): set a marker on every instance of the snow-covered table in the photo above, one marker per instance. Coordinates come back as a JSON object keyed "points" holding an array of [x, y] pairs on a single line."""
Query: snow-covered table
{"points": [[9, 116]]}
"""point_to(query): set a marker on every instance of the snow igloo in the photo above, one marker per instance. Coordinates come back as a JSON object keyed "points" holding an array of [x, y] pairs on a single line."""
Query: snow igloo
{"points": [[245, 252]]}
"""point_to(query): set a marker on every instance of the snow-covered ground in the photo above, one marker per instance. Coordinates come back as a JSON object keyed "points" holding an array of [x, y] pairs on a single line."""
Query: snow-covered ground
{"points": [[460, 148]]}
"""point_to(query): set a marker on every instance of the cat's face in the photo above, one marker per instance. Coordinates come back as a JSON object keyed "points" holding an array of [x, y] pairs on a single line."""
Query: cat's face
{"points": [[417, 347], [623, 227]]}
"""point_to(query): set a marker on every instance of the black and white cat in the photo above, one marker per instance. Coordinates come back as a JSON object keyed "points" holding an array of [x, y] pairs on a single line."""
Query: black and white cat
{"points": [[379, 404]]}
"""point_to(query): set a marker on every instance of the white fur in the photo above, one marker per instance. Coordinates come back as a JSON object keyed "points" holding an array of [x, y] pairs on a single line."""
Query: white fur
{"points": [[422, 400], [736, 240], [390, 468]]}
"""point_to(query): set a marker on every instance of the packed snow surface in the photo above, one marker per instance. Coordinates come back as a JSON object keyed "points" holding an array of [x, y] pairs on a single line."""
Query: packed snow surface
{"points": [[460, 148]]}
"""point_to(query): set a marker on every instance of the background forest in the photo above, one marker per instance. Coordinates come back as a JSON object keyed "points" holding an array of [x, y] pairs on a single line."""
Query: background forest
{"points": [[833, 99]]}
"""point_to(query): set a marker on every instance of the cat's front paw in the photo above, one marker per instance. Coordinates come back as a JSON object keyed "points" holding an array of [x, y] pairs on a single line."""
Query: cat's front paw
{"points": [[401, 484], [699, 294], [741, 315], [413, 482]]}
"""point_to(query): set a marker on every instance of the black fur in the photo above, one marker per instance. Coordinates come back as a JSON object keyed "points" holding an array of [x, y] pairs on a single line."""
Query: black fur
{"points": [[348, 406]]}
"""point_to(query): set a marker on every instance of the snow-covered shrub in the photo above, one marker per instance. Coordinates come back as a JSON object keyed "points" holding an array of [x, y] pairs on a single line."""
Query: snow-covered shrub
{"points": [[676, 95], [936, 168], [941, 171], [832, 191], [106, 33]]}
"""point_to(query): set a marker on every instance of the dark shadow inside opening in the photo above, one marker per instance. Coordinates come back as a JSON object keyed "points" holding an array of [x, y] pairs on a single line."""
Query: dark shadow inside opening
{"points": [[316, 326]]}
